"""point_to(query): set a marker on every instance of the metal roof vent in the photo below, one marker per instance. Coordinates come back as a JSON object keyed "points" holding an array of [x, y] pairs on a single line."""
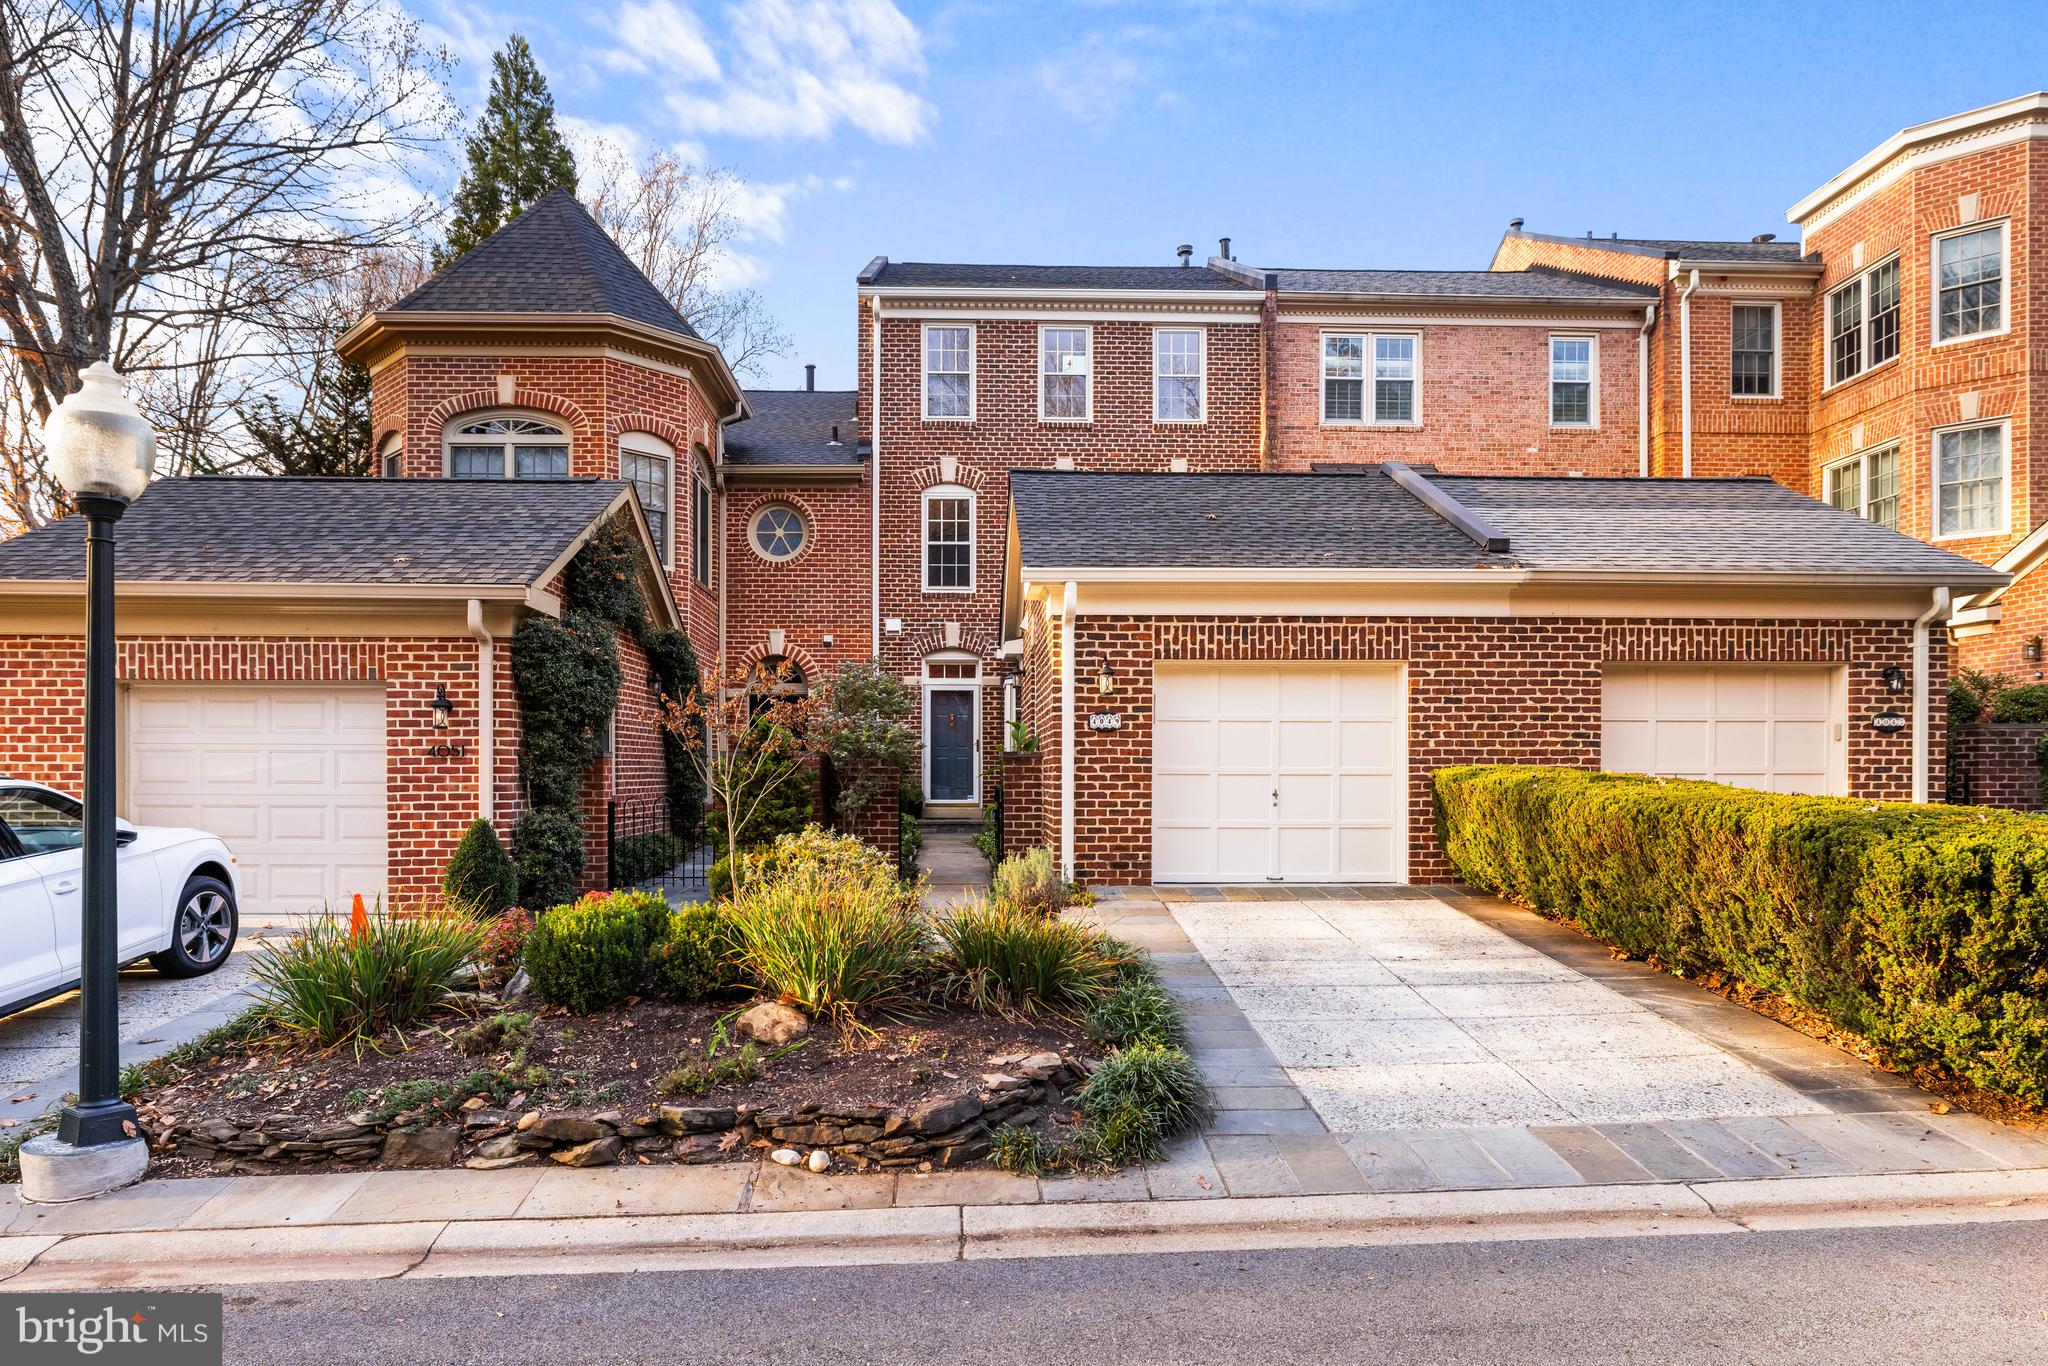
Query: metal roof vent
{"points": [[1763, 237], [1184, 251]]}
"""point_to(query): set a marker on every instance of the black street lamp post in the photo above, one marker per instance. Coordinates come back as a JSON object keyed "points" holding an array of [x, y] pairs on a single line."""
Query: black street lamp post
{"points": [[102, 452]]}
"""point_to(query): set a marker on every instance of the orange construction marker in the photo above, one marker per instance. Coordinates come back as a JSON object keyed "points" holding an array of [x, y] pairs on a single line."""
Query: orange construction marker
{"points": [[358, 918]]}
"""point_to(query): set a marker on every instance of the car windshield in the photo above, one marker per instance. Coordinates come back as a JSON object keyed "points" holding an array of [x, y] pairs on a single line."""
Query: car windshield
{"points": [[44, 822]]}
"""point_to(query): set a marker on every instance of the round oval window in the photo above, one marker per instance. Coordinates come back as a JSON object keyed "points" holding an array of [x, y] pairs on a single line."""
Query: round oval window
{"points": [[778, 531]]}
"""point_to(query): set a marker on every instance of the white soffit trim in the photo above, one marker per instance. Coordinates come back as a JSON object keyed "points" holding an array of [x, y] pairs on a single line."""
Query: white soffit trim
{"points": [[1250, 297], [1923, 144]]}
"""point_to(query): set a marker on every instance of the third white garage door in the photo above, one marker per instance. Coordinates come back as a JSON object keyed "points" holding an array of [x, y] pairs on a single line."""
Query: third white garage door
{"points": [[1294, 773], [291, 777], [1780, 730]]}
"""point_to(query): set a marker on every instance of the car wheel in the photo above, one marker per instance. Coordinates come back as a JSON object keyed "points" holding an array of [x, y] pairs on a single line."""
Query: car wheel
{"points": [[202, 930]]}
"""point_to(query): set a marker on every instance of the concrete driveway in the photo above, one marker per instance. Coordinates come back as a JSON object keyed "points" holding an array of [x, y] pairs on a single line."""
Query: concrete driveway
{"points": [[1419, 1039]]}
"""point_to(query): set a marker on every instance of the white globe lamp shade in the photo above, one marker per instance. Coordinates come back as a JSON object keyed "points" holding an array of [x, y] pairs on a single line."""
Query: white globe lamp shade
{"points": [[97, 442]]}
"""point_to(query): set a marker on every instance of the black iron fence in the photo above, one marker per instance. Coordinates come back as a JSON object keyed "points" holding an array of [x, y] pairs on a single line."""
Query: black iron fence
{"points": [[655, 847], [994, 819]]}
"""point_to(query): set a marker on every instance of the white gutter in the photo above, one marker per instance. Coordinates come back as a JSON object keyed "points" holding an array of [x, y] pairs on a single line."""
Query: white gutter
{"points": [[1922, 729], [1643, 391], [1067, 731], [875, 480], [1685, 371], [486, 711]]}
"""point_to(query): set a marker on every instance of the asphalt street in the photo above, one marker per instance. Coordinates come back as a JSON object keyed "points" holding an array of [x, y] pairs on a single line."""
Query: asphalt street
{"points": [[1977, 1293]]}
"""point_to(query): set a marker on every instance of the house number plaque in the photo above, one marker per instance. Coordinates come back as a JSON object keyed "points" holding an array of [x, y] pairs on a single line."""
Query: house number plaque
{"points": [[1105, 720], [1888, 720]]}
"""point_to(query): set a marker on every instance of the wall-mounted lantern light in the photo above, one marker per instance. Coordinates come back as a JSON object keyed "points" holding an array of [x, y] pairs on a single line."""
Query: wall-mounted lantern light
{"points": [[2031, 651], [1105, 677], [1894, 679], [441, 707]]}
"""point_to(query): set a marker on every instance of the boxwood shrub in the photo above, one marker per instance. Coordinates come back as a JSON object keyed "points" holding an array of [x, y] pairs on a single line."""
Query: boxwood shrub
{"points": [[1922, 928], [593, 953]]}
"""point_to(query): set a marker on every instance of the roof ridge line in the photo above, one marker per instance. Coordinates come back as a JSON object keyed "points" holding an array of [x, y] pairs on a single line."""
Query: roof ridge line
{"points": [[1483, 533]]}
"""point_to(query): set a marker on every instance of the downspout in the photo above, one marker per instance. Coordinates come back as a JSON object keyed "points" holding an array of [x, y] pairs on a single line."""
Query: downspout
{"points": [[1922, 730], [486, 712], [1643, 391], [1685, 373], [875, 480], [1067, 731], [718, 527]]}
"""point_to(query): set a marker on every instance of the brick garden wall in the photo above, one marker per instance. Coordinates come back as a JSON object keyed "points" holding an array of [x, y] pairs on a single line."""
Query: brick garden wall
{"points": [[1998, 760], [1479, 691], [1024, 803]]}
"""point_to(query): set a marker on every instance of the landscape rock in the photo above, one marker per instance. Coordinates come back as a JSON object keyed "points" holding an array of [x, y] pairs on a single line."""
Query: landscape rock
{"points": [[518, 989], [506, 1146], [429, 1147], [938, 1115], [600, 1152], [697, 1148], [567, 1129], [491, 1164], [786, 1157], [677, 1120], [773, 1023], [1039, 1066], [820, 1161]]}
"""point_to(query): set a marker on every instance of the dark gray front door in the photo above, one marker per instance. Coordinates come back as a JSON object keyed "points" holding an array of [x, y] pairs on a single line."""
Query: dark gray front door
{"points": [[950, 731]]}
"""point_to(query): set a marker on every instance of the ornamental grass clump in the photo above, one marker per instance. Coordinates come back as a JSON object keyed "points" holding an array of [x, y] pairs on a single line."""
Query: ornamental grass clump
{"points": [[330, 986], [1138, 1011], [594, 953], [1030, 881], [1136, 1099], [999, 957], [832, 940]]}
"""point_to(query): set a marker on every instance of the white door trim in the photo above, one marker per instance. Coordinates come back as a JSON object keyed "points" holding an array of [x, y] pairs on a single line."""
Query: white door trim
{"points": [[931, 685]]}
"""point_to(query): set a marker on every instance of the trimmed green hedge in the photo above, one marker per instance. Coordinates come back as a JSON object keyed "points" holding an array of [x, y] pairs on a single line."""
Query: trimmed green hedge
{"points": [[1922, 928]]}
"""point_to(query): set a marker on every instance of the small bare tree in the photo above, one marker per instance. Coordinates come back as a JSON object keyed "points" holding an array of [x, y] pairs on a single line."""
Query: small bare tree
{"points": [[677, 224], [163, 170], [747, 730]]}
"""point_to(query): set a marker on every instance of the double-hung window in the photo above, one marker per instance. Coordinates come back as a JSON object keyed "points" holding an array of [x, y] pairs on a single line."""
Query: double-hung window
{"points": [[1065, 374], [1970, 480], [1573, 402], [1867, 484], [948, 371], [948, 540], [507, 448], [1394, 397], [1753, 366], [1969, 283], [648, 465], [1179, 366], [1863, 322], [700, 538]]}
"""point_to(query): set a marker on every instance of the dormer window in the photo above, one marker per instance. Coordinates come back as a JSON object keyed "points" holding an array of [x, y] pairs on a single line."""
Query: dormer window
{"points": [[507, 446]]}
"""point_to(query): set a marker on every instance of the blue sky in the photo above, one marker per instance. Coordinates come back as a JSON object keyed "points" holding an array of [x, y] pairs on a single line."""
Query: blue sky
{"points": [[1313, 134]]}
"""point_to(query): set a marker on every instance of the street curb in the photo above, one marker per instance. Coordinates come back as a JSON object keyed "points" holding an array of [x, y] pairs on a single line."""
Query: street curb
{"points": [[944, 1233]]}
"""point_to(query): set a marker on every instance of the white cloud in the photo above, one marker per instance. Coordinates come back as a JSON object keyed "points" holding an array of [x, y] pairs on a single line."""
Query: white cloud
{"points": [[1097, 78], [780, 69]]}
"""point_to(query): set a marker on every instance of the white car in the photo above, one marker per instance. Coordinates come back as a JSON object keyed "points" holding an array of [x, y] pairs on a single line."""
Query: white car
{"points": [[177, 895]]}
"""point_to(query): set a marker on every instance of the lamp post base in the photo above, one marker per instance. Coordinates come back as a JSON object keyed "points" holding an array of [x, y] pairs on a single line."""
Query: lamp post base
{"points": [[53, 1171]]}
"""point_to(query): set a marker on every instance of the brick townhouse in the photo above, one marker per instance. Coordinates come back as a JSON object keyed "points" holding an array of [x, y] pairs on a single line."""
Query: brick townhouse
{"points": [[1245, 551]]}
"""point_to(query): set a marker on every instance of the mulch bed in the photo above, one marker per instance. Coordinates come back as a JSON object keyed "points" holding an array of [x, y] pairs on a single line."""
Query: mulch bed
{"points": [[612, 1062]]}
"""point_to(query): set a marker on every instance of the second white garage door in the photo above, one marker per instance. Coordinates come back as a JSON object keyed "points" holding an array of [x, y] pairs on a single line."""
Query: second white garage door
{"points": [[291, 777], [1776, 729], [1278, 773]]}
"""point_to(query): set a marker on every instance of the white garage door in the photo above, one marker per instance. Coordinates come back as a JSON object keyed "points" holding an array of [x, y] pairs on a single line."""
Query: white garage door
{"points": [[1775, 729], [291, 777], [1278, 772]]}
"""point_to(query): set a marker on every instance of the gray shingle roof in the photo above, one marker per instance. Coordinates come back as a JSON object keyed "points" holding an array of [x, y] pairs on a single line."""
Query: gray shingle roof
{"points": [[1705, 526], [553, 258], [794, 427], [936, 275], [223, 529], [1535, 283], [1364, 520], [1702, 250], [1252, 521]]}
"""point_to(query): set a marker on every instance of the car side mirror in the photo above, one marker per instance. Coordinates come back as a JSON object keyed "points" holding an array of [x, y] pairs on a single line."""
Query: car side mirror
{"points": [[124, 833]]}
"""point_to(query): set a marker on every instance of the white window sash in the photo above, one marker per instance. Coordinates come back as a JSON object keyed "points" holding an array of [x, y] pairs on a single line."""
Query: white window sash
{"points": [[2001, 494], [1199, 373], [941, 494], [928, 372], [1591, 380], [2003, 227], [1074, 365]]}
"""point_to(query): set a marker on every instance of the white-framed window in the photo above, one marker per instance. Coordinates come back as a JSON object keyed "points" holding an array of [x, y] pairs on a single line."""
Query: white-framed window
{"points": [[1066, 372], [1863, 321], [1180, 374], [949, 372], [648, 463], [506, 446], [700, 524], [1969, 271], [948, 539], [391, 456], [1753, 350], [1971, 480], [1574, 381], [1395, 396], [777, 532], [1867, 484]]}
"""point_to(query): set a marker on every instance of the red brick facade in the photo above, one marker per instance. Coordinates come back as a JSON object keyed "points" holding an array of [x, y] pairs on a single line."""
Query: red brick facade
{"points": [[1517, 690], [1995, 764]]}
